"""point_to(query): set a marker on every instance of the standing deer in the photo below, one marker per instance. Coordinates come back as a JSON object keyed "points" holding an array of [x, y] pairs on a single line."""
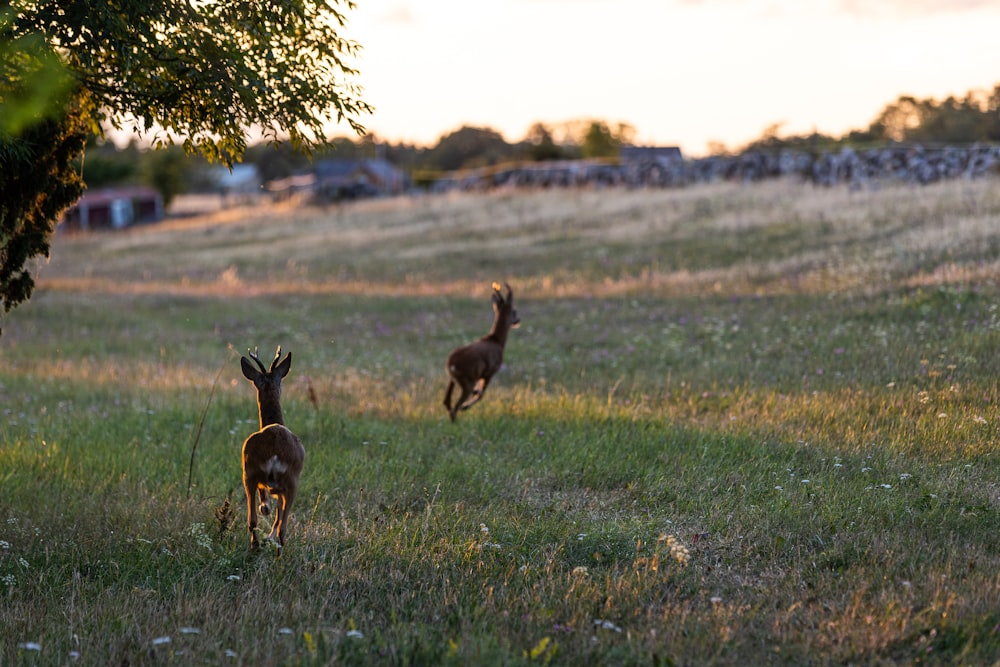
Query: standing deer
{"points": [[471, 366], [273, 456]]}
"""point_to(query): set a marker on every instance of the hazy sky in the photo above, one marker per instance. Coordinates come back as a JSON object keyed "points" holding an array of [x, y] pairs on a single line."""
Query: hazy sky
{"points": [[681, 72]]}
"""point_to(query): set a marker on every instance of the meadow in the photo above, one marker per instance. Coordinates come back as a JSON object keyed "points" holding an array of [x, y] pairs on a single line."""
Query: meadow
{"points": [[739, 424]]}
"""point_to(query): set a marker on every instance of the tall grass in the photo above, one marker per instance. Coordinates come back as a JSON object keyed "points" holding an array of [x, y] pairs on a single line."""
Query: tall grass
{"points": [[737, 425]]}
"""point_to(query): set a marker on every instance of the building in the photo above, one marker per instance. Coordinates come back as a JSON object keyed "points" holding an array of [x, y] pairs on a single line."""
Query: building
{"points": [[115, 208], [662, 155], [354, 179]]}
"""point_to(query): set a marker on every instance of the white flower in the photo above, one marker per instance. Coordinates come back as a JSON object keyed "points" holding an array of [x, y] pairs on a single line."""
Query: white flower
{"points": [[30, 646], [158, 641], [606, 625], [355, 634]]}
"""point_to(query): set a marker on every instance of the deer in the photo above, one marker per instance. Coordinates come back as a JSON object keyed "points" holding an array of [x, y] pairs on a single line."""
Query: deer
{"points": [[272, 456], [472, 366]]}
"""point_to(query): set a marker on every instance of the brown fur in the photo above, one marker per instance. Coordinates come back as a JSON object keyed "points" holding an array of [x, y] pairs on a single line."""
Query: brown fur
{"points": [[273, 456], [472, 366]]}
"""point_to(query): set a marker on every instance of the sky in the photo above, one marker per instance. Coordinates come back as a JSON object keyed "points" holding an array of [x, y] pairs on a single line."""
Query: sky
{"points": [[687, 73]]}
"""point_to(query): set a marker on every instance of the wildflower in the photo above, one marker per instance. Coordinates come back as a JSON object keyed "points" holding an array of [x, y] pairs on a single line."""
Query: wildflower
{"points": [[886, 486], [678, 551], [905, 476], [200, 535], [580, 571], [545, 647], [4, 545], [978, 419], [355, 634], [780, 488], [233, 577], [23, 563], [606, 625], [230, 653], [159, 641], [190, 631], [715, 599], [483, 529], [30, 646], [9, 579], [284, 631]]}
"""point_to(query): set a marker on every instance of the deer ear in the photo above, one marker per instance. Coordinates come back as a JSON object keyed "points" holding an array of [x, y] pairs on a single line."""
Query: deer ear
{"points": [[281, 370], [249, 372], [497, 294]]}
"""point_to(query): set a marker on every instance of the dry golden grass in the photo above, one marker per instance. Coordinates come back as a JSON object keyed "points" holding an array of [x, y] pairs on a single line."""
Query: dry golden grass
{"points": [[771, 238]]}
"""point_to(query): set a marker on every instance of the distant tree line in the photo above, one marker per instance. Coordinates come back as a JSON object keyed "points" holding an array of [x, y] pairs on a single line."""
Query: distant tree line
{"points": [[954, 120]]}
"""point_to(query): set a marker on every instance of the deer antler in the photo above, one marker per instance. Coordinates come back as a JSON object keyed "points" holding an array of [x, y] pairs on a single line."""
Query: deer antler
{"points": [[253, 355], [263, 368]]}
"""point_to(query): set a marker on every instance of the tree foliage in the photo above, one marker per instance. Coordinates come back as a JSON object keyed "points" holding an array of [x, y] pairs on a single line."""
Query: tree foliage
{"points": [[205, 74], [39, 175], [468, 147]]}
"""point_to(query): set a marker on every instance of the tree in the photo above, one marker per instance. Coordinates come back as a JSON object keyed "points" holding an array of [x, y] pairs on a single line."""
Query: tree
{"points": [[469, 147], [599, 141], [202, 73], [542, 145]]}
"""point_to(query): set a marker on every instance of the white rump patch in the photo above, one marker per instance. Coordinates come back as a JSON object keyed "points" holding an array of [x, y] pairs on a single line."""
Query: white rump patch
{"points": [[275, 466]]}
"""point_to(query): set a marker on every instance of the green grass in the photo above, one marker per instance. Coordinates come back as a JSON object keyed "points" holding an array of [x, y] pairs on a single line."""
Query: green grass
{"points": [[738, 425]]}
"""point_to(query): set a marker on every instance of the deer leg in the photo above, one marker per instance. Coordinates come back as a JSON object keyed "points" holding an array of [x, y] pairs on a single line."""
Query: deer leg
{"points": [[251, 491], [265, 502], [447, 395], [477, 393], [281, 521], [466, 391]]}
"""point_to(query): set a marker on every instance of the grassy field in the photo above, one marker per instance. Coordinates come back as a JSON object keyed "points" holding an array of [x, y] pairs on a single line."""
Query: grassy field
{"points": [[738, 425]]}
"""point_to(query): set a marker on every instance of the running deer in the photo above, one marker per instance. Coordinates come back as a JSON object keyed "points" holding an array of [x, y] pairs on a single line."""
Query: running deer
{"points": [[471, 367], [273, 456]]}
